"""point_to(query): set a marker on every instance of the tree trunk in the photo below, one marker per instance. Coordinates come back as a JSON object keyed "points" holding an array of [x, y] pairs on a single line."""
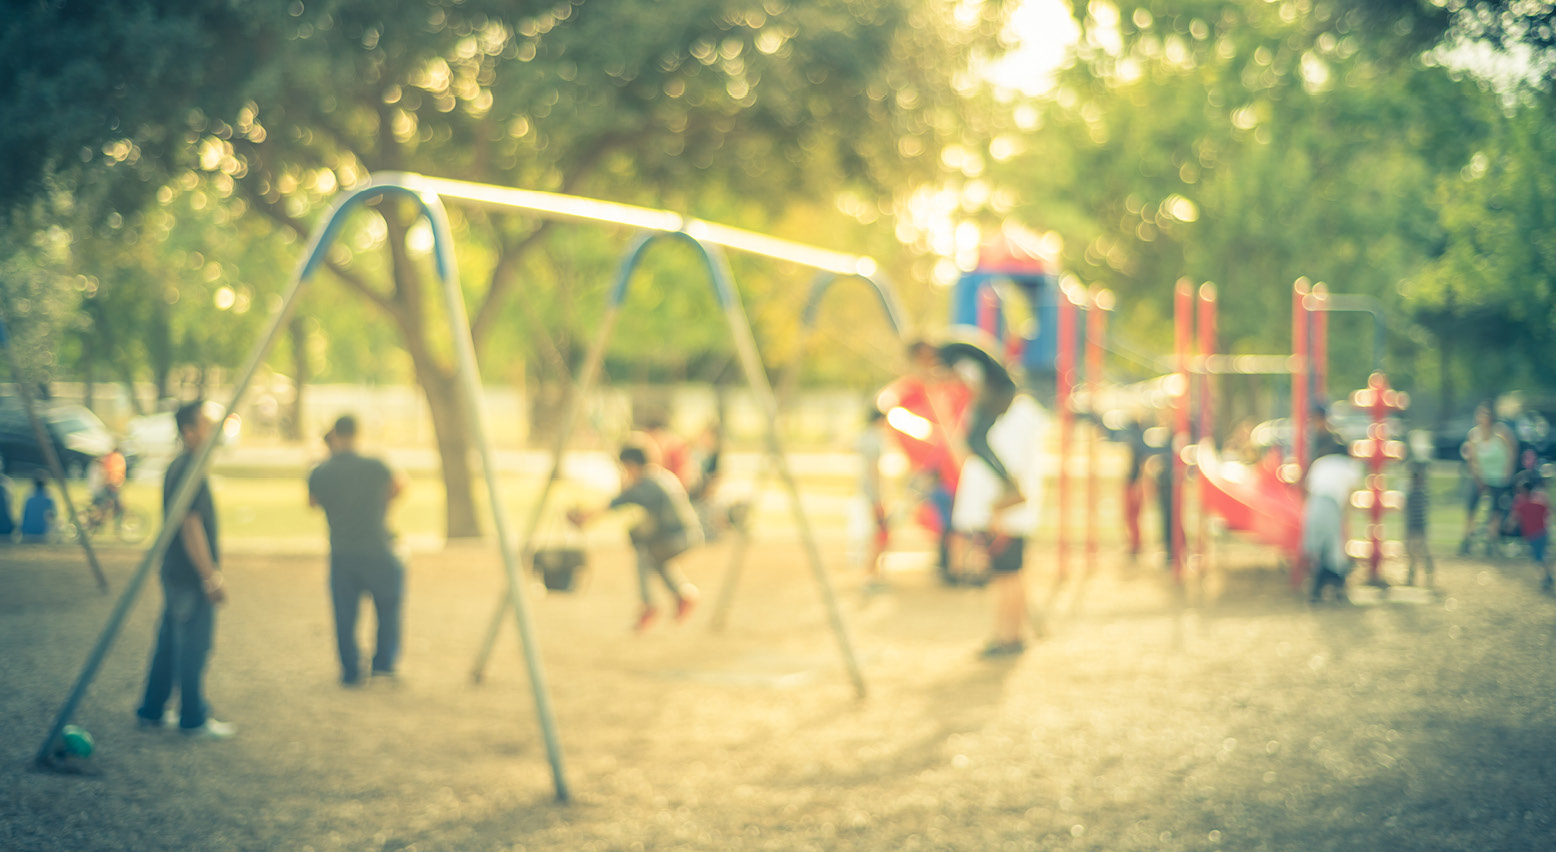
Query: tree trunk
{"points": [[292, 420], [1445, 372], [549, 402], [100, 343], [89, 364], [453, 438], [437, 383]]}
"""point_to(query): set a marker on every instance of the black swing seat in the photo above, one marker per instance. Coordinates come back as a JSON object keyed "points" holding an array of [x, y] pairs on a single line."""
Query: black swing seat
{"points": [[559, 567]]}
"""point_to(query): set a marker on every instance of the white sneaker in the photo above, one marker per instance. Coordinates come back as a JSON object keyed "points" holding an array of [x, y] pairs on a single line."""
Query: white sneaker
{"points": [[213, 729]]}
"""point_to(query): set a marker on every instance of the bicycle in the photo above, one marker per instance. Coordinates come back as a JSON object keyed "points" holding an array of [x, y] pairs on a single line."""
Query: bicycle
{"points": [[129, 525]]}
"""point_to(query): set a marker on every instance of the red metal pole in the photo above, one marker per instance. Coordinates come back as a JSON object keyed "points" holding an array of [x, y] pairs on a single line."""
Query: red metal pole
{"points": [[1320, 342], [988, 312], [1096, 327], [1299, 396], [1064, 367], [1379, 384], [1301, 372], [1183, 334], [1207, 349]]}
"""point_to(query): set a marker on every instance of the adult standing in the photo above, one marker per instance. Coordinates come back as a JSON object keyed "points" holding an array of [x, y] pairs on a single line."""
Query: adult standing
{"points": [[1491, 452], [355, 492], [192, 588]]}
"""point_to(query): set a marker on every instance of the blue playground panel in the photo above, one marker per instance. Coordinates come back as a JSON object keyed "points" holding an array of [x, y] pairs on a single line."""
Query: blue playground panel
{"points": [[1041, 289]]}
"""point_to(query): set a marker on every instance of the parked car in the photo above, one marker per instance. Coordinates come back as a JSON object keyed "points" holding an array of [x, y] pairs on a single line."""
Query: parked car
{"points": [[153, 438], [1346, 420], [79, 438], [1448, 437]]}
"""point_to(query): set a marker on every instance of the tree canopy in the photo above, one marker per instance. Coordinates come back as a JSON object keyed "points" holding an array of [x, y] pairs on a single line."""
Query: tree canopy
{"points": [[756, 110], [1252, 144]]}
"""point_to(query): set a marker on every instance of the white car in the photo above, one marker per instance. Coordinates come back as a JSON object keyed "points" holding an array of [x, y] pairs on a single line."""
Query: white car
{"points": [[153, 439]]}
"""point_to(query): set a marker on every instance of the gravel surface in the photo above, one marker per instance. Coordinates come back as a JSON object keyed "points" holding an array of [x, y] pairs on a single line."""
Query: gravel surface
{"points": [[1232, 717]]}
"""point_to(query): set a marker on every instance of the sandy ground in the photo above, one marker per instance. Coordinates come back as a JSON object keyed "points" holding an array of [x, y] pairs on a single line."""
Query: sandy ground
{"points": [[1239, 718]]}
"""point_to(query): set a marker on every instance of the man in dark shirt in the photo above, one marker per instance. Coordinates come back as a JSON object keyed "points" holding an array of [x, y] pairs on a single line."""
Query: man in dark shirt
{"points": [[355, 492], [192, 588]]}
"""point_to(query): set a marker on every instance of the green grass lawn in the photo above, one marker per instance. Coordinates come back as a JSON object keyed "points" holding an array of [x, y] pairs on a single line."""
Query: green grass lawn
{"points": [[276, 508]]}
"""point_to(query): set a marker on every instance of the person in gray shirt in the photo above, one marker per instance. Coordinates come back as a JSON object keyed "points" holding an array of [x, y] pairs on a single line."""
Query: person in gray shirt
{"points": [[669, 528], [355, 492]]}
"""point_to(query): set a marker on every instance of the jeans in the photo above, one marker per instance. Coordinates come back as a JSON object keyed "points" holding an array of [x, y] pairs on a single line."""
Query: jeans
{"points": [[383, 577], [183, 645]]}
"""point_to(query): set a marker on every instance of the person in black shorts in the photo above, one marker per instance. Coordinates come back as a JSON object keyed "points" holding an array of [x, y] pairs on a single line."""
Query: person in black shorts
{"points": [[192, 588], [355, 492], [668, 529]]}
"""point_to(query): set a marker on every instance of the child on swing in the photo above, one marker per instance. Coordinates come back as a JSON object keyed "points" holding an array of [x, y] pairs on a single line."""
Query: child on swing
{"points": [[668, 529]]}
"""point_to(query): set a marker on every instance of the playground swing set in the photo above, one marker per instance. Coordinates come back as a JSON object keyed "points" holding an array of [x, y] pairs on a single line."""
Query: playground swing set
{"points": [[821, 285], [429, 194]]}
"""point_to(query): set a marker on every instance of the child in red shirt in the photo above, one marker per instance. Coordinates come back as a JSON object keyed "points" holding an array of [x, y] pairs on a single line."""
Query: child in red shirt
{"points": [[1532, 509]]}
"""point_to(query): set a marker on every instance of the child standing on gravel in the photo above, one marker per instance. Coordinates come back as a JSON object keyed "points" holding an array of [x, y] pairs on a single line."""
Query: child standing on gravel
{"points": [[1331, 478], [1417, 506], [1532, 509], [668, 529]]}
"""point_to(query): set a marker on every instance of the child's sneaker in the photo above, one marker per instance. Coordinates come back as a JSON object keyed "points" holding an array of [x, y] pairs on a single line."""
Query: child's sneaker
{"points": [[997, 649], [688, 600], [875, 586], [645, 618]]}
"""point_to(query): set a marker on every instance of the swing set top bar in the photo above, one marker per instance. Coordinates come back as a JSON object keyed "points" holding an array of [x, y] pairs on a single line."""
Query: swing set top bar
{"points": [[592, 210]]}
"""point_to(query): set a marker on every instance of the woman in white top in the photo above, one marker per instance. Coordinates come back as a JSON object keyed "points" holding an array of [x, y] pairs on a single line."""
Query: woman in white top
{"points": [[1491, 452]]}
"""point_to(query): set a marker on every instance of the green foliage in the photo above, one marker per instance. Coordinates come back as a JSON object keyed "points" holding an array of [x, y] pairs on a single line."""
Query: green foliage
{"points": [[710, 107], [1249, 145], [101, 89], [1493, 287], [36, 301], [737, 112]]}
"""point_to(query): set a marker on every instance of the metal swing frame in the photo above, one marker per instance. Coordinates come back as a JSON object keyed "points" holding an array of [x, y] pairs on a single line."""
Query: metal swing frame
{"points": [[50, 457], [729, 303], [820, 286], [430, 193]]}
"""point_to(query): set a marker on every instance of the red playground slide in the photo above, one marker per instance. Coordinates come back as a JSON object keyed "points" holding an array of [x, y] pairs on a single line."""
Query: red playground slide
{"points": [[1253, 499]]}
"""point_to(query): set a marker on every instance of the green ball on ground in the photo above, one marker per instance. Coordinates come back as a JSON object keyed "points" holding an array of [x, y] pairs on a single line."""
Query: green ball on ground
{"points": [[76, 741]]}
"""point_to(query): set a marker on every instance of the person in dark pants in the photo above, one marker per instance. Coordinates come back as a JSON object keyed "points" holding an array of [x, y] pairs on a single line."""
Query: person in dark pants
{"points": [[7, 522], [355, 492], [192, 588]]}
